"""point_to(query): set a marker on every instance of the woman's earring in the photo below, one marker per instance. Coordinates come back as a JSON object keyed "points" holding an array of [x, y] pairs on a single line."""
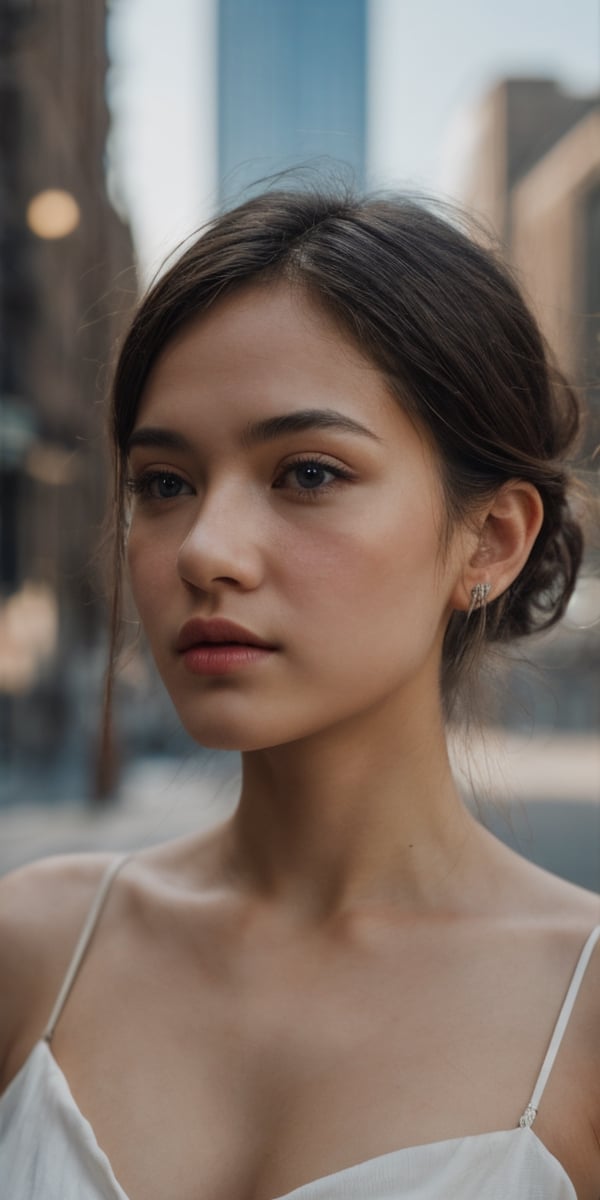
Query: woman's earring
{"points": [[479, 595]]}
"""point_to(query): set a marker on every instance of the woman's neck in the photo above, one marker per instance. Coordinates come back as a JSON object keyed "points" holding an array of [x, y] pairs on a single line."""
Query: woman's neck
{"points": [[364, 814]]}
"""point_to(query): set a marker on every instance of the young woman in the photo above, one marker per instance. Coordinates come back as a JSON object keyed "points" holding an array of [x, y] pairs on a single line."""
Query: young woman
{"points": [[341, 475]]}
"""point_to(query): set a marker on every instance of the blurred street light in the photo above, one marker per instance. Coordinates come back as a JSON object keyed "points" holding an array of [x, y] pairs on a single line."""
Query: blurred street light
{"points": [[584, 606], [28, 635], [51, 464], [53, 214]]}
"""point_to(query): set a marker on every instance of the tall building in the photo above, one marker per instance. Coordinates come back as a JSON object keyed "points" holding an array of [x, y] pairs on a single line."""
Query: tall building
{"points": [[291, 88], [535, 177], [65, 281]]}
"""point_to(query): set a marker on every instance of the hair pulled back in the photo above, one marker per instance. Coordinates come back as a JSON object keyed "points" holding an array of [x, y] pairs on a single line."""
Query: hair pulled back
{"points": [[443, 320]]}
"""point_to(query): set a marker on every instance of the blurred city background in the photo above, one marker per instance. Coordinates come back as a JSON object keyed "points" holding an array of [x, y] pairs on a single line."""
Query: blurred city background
{"points": [[124, 127]]}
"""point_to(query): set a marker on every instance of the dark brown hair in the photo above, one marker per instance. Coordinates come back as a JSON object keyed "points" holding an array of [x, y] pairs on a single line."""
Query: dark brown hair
{"points": [[442, 318]]}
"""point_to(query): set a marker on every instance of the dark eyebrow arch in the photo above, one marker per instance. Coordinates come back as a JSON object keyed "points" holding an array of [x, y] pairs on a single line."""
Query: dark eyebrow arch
{"points": [[301, 421], [259, 431], [152, 436]]}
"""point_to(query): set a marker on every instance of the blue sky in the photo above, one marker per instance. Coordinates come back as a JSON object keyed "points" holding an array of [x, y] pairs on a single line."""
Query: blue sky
{"points": [[429, 62]]}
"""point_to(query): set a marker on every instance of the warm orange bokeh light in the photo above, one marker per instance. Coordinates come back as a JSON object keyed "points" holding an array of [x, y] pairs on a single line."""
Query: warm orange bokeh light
{"points": [[53, 213]]}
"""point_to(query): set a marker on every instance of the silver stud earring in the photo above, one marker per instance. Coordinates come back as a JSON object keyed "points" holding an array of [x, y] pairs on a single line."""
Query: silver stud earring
{"points": [[479, 595]]}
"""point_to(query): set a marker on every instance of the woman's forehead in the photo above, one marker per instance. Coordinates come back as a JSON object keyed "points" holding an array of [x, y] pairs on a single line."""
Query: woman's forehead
{"points": [[264, 350], [261, 322]]}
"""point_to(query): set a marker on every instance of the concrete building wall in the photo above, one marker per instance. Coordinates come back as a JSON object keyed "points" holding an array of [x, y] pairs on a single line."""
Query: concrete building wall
{"points": [[533, 178], [484, 189], [549, 241]]}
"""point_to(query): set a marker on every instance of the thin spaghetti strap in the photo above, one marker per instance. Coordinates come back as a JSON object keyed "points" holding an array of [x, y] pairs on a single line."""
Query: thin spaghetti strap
{"points": [[528, 1117], [83, 942]]}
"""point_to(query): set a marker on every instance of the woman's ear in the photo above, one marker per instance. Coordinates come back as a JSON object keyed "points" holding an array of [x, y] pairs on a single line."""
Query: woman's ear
{"points": [[508, 529]]}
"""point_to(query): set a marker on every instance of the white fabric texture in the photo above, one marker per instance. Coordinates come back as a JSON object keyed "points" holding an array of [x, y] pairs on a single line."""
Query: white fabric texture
{"points": [[48, 1150]]}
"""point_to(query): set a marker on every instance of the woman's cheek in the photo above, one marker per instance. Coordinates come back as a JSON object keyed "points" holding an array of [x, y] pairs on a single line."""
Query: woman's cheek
{"points": [[148, 566]]}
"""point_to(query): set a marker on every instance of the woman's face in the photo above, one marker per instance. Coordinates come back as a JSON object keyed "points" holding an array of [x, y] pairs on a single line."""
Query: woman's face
{"points": [[320, 534]]}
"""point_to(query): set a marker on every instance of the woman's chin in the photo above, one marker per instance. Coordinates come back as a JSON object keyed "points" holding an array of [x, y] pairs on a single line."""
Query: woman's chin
{"points": [[224, 736]]}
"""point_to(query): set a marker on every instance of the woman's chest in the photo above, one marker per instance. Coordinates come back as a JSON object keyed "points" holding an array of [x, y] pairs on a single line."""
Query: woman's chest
{"points": [[259, 1093]]}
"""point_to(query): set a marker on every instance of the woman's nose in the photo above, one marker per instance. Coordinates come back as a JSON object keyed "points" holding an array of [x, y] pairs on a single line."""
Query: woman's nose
{"points": [[221, 545]]}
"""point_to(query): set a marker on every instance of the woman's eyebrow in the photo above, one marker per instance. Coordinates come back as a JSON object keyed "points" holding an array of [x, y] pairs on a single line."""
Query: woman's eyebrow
{"points": [[256, 432], [151, 435], [300, 421]]}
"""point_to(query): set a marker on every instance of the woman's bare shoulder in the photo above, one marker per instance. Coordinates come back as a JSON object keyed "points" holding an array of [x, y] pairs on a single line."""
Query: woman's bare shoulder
{"points": [[572, 905], [45, 894], [568, 900], [42, 908], [522, 888]]}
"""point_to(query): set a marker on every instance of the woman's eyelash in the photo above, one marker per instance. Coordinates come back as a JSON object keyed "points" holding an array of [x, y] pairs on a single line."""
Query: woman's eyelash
{"points": [[140, 485], [312, 460]]}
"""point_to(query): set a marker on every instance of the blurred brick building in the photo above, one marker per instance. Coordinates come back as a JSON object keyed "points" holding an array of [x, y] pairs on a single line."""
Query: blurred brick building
{"points": [[535, 176], [66, 280]]}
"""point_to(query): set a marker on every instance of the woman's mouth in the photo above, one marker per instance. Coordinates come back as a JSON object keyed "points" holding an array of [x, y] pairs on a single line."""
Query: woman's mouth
{"points": [[219, 658], [218, 646]]}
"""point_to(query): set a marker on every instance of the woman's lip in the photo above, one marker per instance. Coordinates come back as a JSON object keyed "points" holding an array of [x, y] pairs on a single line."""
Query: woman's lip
{"points": [[215, 631], [220, 658]]}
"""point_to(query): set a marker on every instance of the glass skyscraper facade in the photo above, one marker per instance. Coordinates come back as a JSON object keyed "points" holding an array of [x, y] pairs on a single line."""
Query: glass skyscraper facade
{"points": [[291, 89]]}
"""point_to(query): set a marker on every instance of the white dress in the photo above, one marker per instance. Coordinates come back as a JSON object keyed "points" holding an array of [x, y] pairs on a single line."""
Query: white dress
{"points": [[48, 1150]]}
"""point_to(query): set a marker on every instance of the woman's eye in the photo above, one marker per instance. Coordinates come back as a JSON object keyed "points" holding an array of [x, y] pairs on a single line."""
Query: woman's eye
{"points": [[310, 475], [159, 485]]}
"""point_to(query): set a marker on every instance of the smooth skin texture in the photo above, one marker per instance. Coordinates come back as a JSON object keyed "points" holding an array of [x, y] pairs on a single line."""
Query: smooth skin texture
{"points": [[351, 963]]}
